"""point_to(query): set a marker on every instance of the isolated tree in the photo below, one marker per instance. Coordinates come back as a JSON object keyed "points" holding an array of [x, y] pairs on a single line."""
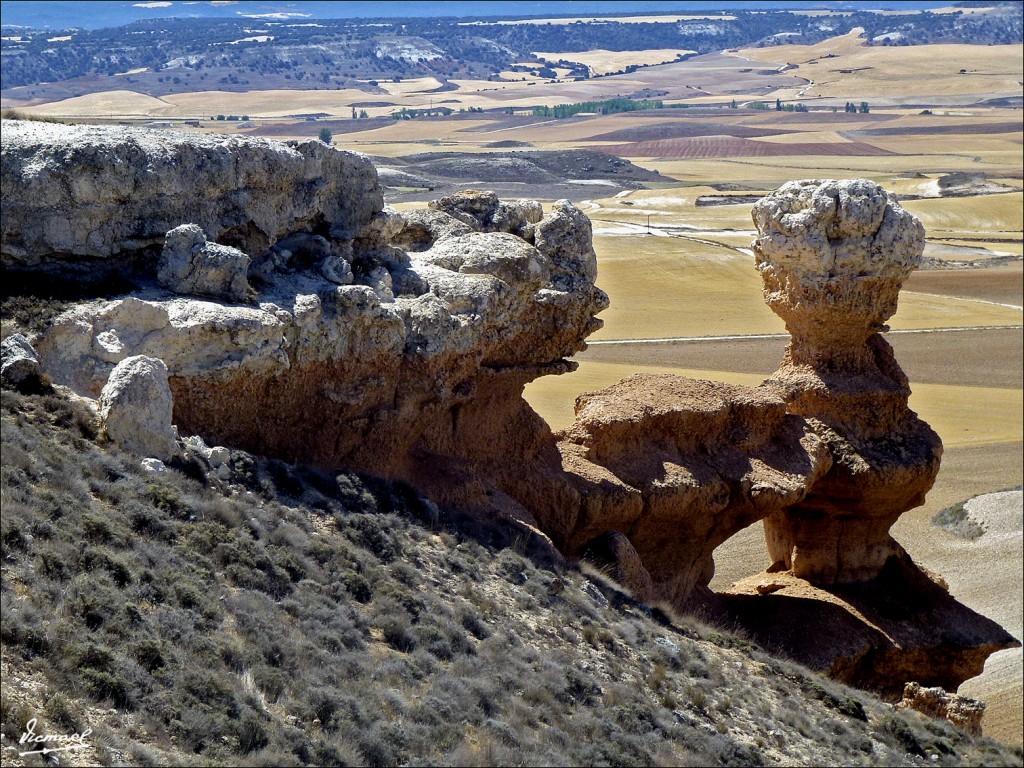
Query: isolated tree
{"points": [[864, 107], [326, 135], [363, 114], [354, 115], [778, 105]]}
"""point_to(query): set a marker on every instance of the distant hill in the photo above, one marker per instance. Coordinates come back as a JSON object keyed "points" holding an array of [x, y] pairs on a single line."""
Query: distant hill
{"points": [[260, 46], [67, 14]]}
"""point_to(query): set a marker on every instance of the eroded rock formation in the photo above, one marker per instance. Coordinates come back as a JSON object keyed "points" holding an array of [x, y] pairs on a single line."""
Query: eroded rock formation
{"points": [[348, 350], [833, 256], [299, 318], [680, 465]]}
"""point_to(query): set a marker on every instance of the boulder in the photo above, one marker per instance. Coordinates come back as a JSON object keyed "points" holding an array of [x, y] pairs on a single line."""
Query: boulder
{"points": [[136, 408], [19, 364], [484, 212], [192, 266]]}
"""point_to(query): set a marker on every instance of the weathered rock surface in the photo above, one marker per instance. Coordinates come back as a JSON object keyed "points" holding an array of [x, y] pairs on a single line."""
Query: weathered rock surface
{"points": [[192, 266], [483, 212], [833, 256], [961, 711], [136, 408], [19, 364], [694, 461], [73, 191], [413, 363], [842, 595]]}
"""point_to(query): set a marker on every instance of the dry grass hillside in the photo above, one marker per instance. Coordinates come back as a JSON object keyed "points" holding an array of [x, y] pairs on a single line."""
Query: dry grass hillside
{"points": [[283, 616]]}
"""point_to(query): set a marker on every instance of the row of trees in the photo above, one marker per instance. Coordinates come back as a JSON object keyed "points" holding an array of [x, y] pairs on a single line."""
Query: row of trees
{"points": [[779, 106], [607, 107]]}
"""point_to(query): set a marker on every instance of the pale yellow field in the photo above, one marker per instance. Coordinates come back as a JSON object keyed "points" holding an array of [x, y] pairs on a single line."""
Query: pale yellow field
{"points": [[414, 94], [903, 71], [601, 62], [1002, 214], [665, 287], [774, 171], [964, 144], [407, 87], [107, 104]]}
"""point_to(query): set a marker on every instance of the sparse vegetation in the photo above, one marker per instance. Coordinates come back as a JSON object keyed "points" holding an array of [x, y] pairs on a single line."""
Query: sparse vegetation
{"points": [[17, 114], [289, 617]]}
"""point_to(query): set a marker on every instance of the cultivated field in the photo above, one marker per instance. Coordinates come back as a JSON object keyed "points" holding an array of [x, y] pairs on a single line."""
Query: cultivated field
{"points": [[601, 62], [844, 68]]}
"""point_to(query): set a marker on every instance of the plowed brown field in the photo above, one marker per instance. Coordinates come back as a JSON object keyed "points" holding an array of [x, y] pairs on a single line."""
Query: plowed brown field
{"points": [[729, 146]]}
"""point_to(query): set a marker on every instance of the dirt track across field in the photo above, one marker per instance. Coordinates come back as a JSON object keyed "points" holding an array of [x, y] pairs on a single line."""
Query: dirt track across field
{"points": [[968, 358]]}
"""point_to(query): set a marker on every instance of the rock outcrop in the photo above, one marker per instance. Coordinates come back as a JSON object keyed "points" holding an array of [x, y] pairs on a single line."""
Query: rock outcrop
{"points": [[398, 344], [963, 712], [135, 408], [99, 192], [412, 360], [678, 466]]}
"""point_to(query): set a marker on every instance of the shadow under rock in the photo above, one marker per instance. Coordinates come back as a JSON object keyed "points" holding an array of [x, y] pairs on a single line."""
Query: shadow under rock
{"points": [[902, 626]]}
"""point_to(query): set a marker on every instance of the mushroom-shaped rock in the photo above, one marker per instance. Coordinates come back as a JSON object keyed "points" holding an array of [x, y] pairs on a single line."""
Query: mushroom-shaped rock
{"points": [[191, 265], [136, 408], [19, 365], [833, 256]]}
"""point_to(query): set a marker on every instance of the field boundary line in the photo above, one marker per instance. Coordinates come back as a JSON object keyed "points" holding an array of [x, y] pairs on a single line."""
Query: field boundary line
{"points": [[762, 336]]}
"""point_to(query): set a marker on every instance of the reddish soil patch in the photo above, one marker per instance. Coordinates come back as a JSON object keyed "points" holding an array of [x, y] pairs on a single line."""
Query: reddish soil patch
{"points": [[936, 130], [727, 146], [680, 130]]}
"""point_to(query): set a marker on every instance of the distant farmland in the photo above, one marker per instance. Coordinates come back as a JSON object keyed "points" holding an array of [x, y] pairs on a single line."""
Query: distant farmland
{"points": [[729, 146]]}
